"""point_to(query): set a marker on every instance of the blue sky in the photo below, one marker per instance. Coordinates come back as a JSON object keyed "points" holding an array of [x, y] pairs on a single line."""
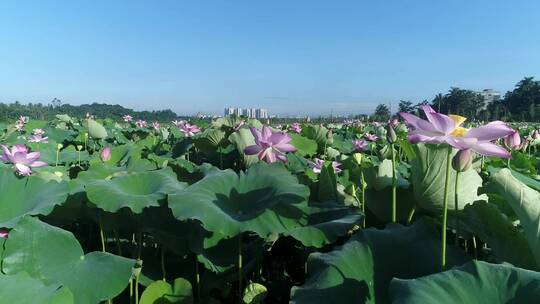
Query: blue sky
{"points": [[292, 57]]}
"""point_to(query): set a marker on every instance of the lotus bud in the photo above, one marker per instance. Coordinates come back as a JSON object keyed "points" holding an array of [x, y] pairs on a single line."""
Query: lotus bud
{"points": [[357, 158], [106, 154], [462, 161], [391, 136], [79, 147], [59, 146], [513, 140]]}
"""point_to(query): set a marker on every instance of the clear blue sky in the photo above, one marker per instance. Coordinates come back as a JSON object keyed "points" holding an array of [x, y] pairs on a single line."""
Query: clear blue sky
{"points": [[293, 57]]}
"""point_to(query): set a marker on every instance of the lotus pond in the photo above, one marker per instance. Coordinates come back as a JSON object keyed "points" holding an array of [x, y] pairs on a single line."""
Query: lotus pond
{"points": [[429, 209]]}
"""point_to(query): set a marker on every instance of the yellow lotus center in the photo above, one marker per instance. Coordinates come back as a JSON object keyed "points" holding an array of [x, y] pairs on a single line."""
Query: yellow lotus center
{"points": [[458, 130]]}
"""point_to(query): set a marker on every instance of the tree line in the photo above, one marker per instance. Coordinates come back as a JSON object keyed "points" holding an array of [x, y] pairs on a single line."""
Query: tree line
{"points": [[520, 104], [12, 111]]}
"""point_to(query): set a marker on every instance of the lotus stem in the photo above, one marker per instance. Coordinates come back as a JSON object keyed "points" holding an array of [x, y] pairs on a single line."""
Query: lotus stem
{"points": [[163, 263], [474, 247], [456, 207], [197, 279], [240, 289], [394, 183], [117, 238], [445, 208], [363, 197], [102, 235], [57, 156], [508, 163], [411, 214]]}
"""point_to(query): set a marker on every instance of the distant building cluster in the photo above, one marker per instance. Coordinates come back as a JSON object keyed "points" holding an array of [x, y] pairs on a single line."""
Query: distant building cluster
{"points": [[248, 112], [490, 96]]}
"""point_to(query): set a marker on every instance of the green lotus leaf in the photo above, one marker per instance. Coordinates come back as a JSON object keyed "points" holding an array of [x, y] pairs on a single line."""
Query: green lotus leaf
{"points": [[361, 270], [326, 223], [428, 171], [525, 203], [209, 140], [55, 257], [254, 293], [134, 191], [22, 289], [317, 133], [64, 118], [241, 139], [28, 195], [263, 200], [95, 129], [474, 282], [161, 292], [304, 145], [508, 243], [327, 187]]}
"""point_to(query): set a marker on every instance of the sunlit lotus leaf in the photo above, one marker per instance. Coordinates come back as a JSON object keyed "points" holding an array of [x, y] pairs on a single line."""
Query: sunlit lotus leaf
{"points": [[474, 282], [55, 257], [20, 288]]}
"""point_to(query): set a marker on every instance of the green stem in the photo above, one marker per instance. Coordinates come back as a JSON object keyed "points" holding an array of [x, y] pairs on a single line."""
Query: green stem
{"points": [[394, 183], [102, 236], [456, 207], [139, 244], [474, 247], [197, 279], [508, 163], [163, 263], [57, 156], [445, 209], [411, 214], [240, 289], [363, 198], [118, 246]]}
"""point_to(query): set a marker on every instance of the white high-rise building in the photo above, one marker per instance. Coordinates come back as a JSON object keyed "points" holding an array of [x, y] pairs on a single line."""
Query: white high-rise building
{"points": [[262, 114], [247, 112], [229, 111], [490, 96], [238, 112], [253, 113]]}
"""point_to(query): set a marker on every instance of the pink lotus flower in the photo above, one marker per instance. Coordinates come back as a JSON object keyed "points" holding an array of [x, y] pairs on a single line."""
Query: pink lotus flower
{"points": [[513, 141], [393, 122], [38, 139], [38, 132], [296, 127], [24, 119], [239, 125], [360, 145], [19, 126], [319, 163], [106, 154], [177, 123], [141, 123], [440, 128], [4, 234], [270, 146], [127, 118], [21, 159], [371, 137], [189, 130], [156, 125]]}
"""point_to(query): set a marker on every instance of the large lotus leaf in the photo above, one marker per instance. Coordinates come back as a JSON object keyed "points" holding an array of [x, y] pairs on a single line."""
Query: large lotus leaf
{"points": [[161, 292], [317, 133], [263, 200], [95, 129], [474, 282], [327, 187], [304, 145], [20, 288], [526, 204], [254, 293], [325, 223], [64, 118], [134, 191], [378, 195], [209, 140], [54, 256], [361, 270], [508, 243], [241, 139], [29, 195], [428, 171]]}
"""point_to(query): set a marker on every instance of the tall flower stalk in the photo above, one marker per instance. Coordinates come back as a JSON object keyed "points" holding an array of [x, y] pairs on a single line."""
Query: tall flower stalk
{"points": [[392, 137], [445, 209]]}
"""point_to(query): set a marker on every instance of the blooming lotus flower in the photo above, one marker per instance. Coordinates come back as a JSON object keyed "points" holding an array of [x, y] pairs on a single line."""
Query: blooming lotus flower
{"points": [[189, 130], [371, 137], [156, 125], [440, 128], [21, 159], [360, 145], [127, 118], [24, 119], [177, 123], [4, 234], [270, 146], [38, 139], [513, 140], [38, 132], [141, 123], [19, 126], [296, 127], [106, 154], [319, 163]]}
